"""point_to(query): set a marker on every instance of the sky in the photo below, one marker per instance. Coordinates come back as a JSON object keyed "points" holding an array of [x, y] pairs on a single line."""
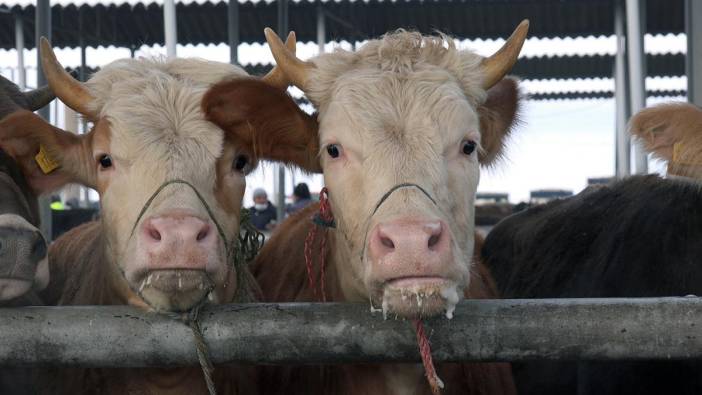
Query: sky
{"points": [[558, 144]]}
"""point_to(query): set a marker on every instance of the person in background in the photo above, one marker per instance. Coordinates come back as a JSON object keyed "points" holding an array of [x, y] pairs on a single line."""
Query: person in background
{"points": [[263, 212], [301, 198], [56, 203]]}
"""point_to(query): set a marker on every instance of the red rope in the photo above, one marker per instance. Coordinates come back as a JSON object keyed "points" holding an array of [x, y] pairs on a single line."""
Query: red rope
{"points": [[425, 350], [309, 240], [325, 214]]}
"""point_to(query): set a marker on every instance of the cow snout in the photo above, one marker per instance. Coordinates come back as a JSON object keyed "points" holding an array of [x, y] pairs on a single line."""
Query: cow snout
{"points": [[23, 263], [410, 247], [178, 242]]}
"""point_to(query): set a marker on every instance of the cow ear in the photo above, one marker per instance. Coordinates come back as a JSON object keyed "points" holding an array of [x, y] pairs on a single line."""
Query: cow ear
{"points": [[497, 117], [265, 119], [39, 149], [662, 127]]}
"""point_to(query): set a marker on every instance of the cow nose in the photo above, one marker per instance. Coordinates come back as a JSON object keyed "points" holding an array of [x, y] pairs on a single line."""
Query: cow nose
{"points": [[188, 230], [175, 242], [423, 243], [21, 250]]}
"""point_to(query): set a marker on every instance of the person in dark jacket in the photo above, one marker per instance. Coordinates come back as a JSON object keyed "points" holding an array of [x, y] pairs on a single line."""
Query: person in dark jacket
{"points": [[301, 198], [263, 212]]}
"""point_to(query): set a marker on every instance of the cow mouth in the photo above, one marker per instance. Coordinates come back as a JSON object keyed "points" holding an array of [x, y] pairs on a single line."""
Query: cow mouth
{"points": [[174, 289], [414, 297]]}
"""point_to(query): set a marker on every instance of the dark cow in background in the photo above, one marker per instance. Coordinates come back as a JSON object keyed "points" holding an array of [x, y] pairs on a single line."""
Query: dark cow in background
{"points": [[23, 263], [640, 237], [170, 184]]}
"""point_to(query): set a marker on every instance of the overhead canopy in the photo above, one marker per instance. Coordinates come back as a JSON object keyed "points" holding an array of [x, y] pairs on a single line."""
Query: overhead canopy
{"points": [[132, 25], [571, 67]]}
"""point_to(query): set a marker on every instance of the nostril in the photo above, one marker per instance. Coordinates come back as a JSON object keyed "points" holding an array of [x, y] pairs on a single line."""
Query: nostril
{"points": [[387, 242], [203, 233], [433, 240], [154, 234], [39, 247]]}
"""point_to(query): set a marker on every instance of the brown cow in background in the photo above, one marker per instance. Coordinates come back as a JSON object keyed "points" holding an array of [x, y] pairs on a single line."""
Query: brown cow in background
{"points": [[405, 123]]}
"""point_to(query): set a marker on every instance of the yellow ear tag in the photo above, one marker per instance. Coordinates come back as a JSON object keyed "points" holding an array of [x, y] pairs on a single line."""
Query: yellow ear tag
{"points": [[45, 162]]}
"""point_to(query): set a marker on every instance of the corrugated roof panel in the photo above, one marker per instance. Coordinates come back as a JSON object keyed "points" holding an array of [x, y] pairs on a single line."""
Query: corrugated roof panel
{"points": [[128, 25]]}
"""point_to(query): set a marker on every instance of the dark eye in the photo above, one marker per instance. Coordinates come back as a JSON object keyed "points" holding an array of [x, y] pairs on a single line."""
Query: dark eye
{"points": [[468, 147], [105, 161], [240, 162], [334, 150]]}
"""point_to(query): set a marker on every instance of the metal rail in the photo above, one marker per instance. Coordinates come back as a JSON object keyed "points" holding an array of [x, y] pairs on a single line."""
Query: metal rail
{"points": [[486, 330]]}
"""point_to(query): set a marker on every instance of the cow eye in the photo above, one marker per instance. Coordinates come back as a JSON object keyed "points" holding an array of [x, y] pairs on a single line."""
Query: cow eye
{"points": [[468, 147], [334, 150], [105, 161], [240, 162]]}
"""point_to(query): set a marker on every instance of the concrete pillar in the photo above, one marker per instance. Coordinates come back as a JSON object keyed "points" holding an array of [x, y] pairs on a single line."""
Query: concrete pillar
{"points": [[621, 96], [233, 25], [19, 45], [43, 28], [693, 60], [170, 28], [636, 27]]}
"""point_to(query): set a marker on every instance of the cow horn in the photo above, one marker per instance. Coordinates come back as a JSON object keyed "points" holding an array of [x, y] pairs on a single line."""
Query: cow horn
{"points": [[501, 62], [66, 88], [39, 97], [277, 77], [294, 69]]}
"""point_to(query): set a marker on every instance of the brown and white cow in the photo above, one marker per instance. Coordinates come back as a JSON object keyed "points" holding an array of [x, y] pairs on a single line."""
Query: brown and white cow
{"points": [[405, 123], [170, 184]]}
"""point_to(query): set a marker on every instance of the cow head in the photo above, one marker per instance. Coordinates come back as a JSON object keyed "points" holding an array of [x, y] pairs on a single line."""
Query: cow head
{"points": [[170, 182], [23, 263], [404, 125], [672, 132]]}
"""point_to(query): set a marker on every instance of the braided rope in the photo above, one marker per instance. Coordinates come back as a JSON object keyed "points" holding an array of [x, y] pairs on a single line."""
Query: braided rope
{"points": [[309, 241], [425, 351], [325, 218]]}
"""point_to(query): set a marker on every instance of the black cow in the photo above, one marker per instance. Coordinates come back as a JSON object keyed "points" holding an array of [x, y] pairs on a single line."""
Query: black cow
{"points": [[23, 261], [640, 237]]}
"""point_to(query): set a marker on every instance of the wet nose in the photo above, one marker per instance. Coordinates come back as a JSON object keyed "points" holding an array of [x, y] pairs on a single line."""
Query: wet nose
{"points": [[421, 243], [177, 242]]}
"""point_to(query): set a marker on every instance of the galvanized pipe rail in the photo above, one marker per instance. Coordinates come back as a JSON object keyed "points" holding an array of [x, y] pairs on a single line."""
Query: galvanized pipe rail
{"points": [[555, 329]]}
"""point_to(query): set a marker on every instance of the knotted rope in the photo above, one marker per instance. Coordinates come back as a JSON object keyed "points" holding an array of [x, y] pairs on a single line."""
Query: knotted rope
{"points": [[324, 218], [241, 250]]}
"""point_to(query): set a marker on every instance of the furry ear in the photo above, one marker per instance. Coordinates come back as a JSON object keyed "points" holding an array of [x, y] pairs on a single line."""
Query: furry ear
{"points": [[663, 128], [44, 153], [266, 120], [497, 115]]}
